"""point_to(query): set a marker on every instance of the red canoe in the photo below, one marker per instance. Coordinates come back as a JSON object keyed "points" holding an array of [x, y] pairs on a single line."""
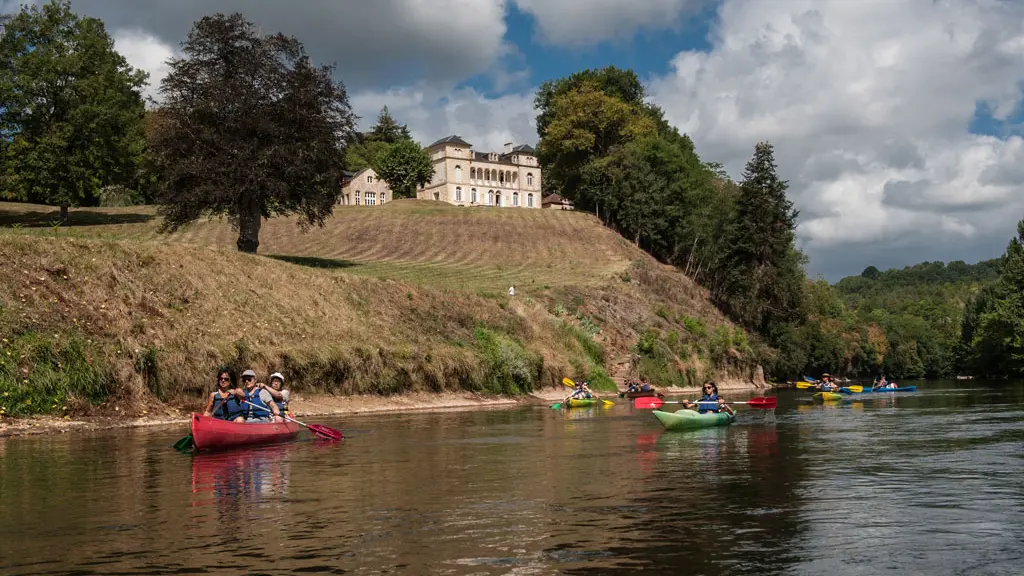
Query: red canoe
{"points": [[213, 434]]}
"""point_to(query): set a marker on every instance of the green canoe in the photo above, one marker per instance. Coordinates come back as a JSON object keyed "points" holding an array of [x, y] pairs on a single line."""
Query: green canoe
{"points": [[686, 419], [578, 403], [826, 396]]}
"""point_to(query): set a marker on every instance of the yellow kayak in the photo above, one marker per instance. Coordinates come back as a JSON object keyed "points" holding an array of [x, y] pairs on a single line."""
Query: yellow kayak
{"points": [[827, 396]]}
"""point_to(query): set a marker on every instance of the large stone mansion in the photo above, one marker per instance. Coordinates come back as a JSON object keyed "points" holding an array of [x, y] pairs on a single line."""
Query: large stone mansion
{"points": [[467, 178], [463, 177]]}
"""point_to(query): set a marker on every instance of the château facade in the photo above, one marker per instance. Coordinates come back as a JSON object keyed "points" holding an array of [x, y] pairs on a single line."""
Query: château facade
{"points": [[463, 177]]}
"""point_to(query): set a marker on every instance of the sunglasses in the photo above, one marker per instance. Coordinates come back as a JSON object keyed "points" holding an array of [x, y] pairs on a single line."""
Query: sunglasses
{"points": [[248, 379], [224, 379]]}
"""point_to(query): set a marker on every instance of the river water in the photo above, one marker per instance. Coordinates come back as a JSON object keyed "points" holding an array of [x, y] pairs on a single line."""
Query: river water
{"points": [[925, 483]]}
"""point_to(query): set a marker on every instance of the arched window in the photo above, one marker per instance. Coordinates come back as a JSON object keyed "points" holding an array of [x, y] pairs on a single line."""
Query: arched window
{"points": [[490, 197], [458, 193], [501, 177], [458, 173], [487, 175], [508, 176], [529, 179], [357, 197], [382, 194], [472, 173], [515, 198], [472, 196], [515, 177], [529, 200]]}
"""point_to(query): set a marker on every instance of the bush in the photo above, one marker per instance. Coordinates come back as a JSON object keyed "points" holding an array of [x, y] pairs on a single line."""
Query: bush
{"points": [[510, 367]]}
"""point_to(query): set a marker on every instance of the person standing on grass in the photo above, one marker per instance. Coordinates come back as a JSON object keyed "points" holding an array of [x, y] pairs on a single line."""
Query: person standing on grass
{"points": [[261, 406], [280, 394], [224, 403]]}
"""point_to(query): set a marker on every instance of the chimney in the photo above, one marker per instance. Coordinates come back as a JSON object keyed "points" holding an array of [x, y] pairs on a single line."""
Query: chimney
{"points": [[508, 147]]}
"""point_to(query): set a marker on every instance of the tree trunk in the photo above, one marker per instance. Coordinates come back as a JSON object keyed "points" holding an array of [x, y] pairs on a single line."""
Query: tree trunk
{"points": [[249, 222], [64, 214]]}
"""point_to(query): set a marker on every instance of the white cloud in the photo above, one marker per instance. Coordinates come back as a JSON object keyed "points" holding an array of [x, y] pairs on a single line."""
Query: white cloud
{"points": [[145, 52], [374, 43], [580, 22], [486, 123], [868, 106]]}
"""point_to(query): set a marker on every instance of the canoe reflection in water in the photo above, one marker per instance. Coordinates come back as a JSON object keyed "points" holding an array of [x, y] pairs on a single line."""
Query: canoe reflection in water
{"points": [[241, 480]]}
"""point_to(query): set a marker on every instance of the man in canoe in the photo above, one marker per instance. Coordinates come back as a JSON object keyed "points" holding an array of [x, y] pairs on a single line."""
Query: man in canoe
{"points": [[710, 401], [881, 383], [261, 407], [224, 403], [280, 394]]}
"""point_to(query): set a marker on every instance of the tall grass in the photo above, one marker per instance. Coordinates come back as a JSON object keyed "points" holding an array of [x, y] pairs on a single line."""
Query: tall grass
{"points": [[510, 367], [44, 374]]}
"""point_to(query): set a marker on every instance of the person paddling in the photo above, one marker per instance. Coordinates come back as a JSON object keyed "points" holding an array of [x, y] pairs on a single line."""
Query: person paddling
{"points": [[224, 403], [827, 385], [260, 402], [710, 401], [581, 392], [280, 394]]}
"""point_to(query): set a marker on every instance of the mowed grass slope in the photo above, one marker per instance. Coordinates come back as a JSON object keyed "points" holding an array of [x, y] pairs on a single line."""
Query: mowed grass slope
{"points": [[407, 240], [402, 297]]}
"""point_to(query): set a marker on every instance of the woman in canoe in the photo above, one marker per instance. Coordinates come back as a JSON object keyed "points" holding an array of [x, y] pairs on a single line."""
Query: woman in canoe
{"points": [[710, 401], [581, 392], [260, 403], [280, 394], [224, 403]]}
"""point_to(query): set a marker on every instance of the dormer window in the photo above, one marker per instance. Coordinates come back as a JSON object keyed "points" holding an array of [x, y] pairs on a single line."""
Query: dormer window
{"points": [[369, 179]]}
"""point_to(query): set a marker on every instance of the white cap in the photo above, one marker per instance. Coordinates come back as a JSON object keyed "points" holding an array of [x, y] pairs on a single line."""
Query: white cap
{"points": [[277, 375]]}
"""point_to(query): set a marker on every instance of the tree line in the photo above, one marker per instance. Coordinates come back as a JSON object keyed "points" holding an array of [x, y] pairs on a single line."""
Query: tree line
{"points": [[247, 126], [605, 147]]}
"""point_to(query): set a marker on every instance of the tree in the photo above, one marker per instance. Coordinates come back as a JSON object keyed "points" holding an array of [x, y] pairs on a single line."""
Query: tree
{"points": [[71, 109], [997, 341], [764, 281], [586, 125], [623, 85], [250, 129], [387, 130], [405, 166], [871, 273]]}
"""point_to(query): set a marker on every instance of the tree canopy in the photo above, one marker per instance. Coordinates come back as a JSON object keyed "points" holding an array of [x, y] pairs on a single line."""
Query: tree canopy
{"points": [[249, 128], [405, 166], [71, 109]]}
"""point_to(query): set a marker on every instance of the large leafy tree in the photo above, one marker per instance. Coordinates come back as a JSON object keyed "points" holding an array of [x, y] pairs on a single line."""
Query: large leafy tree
{"points": [[387, 129], [249, 128], [71, 110], [405, 166], [763, 286]]}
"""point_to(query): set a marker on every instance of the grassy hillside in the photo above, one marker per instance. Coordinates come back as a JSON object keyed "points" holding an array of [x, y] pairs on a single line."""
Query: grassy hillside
{"points": [[408, 296]]}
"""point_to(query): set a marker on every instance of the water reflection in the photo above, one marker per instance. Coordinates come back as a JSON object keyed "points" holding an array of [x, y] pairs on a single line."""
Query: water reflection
{"points": [[239, 481]]}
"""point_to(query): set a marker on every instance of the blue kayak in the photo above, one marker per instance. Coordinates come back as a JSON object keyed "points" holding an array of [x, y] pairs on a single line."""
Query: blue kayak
{"points": [[869, 391]]}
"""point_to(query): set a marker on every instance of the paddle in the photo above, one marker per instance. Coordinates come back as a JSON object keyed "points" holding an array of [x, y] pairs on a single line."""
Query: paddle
{"points": [[855, 389], [185, 444], [318, 429], [568, 382], [809, 379], [762, 402]]}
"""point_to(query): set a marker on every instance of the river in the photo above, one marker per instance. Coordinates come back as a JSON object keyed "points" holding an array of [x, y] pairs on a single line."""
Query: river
{"points": [[925, 483]]}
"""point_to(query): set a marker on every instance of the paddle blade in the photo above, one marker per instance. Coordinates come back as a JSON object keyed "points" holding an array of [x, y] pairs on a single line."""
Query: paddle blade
{"points": [[568, 382], [857, 389], [607, 402], [764, 402], [809, 379], [803, 385], [185, 444], [648, 402], [556, 406], [325, 431]]}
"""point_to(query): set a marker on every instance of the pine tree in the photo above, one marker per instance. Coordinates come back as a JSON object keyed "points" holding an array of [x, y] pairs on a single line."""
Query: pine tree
{"points": [[387, 129], [763, 281]]}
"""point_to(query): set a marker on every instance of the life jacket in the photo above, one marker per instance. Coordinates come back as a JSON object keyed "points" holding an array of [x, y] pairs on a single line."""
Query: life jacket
{"points": [[281, 404], [227, 408], [253, 397], [702, 408]]}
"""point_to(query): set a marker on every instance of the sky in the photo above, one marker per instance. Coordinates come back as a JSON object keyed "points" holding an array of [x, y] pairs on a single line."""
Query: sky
{"points": [[897, 123]]}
